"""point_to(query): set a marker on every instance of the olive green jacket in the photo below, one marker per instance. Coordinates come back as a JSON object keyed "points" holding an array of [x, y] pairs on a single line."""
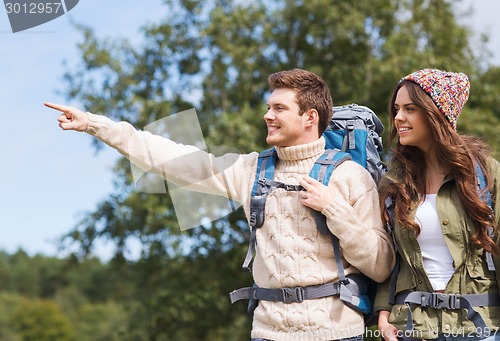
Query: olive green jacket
{"points": [[471, 274]]}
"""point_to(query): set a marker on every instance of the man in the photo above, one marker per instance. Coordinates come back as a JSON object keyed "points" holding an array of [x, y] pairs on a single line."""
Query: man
{"points": [[290, 252]]}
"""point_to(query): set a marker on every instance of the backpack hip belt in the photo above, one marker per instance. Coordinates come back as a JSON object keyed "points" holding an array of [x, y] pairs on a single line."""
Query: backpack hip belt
{"points": [[449, 301], [349, 290], [286, 295]]}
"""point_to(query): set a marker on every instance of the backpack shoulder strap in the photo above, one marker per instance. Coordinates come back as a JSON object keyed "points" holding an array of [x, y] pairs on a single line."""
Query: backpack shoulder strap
{"points": [[483, 191], [322, 171], [266, 164], [326, 163], [485, 195]]}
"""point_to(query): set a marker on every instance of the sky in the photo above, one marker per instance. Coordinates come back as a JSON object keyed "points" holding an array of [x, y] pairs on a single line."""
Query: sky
{"points": [[49, 177]]}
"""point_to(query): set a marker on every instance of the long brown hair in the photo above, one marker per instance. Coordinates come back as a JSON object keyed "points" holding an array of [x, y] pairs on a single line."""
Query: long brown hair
{"points": [[458, 153]]}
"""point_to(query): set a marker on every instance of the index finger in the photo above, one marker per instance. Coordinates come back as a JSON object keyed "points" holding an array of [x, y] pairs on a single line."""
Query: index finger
{"points": [[55, 106], [305, 182], [309, 180]]}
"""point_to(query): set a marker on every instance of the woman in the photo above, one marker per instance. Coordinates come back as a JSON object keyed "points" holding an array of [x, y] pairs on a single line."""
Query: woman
{"points": [[441, 223]]}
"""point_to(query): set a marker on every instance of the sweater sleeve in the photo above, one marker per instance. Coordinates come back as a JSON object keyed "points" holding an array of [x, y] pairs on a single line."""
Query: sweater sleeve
{"points": [[186, 166], [354, 217]]}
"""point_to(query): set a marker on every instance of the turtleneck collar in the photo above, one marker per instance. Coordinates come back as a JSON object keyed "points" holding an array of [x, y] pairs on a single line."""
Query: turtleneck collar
{"points": [[303, 151]]}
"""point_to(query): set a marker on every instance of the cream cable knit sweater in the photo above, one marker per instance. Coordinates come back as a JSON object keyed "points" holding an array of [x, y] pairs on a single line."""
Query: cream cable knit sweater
{"points": [[290, 251]]}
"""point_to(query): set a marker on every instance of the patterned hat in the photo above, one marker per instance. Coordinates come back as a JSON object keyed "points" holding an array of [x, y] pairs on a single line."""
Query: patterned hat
{"points": [[448, 90]]}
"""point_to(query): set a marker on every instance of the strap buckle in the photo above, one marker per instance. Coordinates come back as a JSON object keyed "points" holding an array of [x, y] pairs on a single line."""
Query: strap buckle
{"points": [[442, 301], [292, 188], [291, 295], [263, 182]]}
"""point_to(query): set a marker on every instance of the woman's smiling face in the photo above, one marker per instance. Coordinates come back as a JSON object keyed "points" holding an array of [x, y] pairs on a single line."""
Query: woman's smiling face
{"points": [[410, 122]]}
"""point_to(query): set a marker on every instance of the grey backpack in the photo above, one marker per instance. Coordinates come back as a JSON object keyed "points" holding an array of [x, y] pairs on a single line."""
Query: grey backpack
{"points": [[356, 129]]}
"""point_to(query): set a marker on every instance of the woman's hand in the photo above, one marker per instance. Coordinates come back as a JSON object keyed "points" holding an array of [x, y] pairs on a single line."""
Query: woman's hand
{"points": [[388, 331]]}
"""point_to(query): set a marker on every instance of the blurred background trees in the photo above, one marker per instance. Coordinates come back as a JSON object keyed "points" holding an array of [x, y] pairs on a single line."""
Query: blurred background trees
{"points": [[215, 56]]}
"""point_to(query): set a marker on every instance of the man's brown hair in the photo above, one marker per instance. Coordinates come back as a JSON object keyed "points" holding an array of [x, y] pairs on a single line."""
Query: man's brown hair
{"points": [[312, 92]]}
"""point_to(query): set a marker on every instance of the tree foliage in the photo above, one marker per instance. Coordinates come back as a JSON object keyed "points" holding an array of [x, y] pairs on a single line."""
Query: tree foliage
{"points": [[41, 320], [215, 56], [62, 306]]}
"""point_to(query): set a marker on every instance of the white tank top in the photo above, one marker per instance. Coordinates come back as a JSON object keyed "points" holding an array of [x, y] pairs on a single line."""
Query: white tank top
{"points": [[438, 262]]}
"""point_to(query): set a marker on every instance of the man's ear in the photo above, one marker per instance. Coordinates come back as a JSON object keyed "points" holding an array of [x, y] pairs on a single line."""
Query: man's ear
{"points": [[312, 117]]}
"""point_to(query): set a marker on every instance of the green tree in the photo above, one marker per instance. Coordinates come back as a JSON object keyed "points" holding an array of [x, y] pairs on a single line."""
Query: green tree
{"points": [[24, 278], [215, 56], [482, 116], [5, 275], [8, 303], [100, 322], [40, 320]]}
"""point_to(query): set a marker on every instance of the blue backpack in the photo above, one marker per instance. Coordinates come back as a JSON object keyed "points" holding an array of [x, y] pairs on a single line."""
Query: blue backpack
{"points": [[353, 134]]}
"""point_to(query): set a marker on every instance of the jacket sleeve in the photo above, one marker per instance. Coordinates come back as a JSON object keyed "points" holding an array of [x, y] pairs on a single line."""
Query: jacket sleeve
{"points": [[354, 217], [382, 297], [186, 166]]}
